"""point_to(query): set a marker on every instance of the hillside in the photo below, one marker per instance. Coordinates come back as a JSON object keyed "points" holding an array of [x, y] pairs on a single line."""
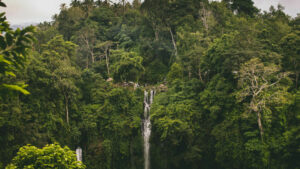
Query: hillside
{"points": [[210, 85]]}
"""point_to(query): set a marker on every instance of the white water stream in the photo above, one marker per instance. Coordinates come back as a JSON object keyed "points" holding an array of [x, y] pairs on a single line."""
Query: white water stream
{"points": [[148, 100], [79, 154]]}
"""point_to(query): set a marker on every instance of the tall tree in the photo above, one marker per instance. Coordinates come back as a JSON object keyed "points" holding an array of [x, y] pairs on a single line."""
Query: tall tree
{"points": [[105, 46], [68, 21], [261, 85], [242, 6], [86, 38], [58, 54], [291, 51]]}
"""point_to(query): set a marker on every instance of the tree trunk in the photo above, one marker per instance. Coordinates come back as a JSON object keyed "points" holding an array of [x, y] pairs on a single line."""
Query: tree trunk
{"points": [[260, 125], [123, 7], [297, 79], [92, 55], [156, 35], [200, 76], [67, 108], [190, 73], [174, 42], [90, 49], [296, 72], [87, 62], [155, 31], [107, 62], [204, 17]]}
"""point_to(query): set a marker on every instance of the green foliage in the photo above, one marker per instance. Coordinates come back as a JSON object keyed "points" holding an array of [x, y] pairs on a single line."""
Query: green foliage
{"points": [[68, 20], [223, 74], [176, 72], [128, 66], [50, 156], [14, 47], [243, 6], [291, 51]]}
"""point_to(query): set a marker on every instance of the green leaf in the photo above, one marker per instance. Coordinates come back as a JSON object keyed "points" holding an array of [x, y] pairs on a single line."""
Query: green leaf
{"points": [[9, 39], [2, 43], [10, 74], [2, 59], [2, 4], [16, 88]]}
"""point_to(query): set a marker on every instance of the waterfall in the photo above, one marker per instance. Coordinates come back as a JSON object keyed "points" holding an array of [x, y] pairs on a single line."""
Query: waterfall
{"points": [[148, 100], [79, 154]]}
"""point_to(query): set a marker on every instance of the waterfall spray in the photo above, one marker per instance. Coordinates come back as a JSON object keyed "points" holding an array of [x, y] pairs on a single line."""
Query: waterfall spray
{"points": [[148, 100]]}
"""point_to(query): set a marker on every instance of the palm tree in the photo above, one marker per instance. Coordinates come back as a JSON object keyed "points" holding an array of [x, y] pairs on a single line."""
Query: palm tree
{"points": [[63, 6], [75, 3]]}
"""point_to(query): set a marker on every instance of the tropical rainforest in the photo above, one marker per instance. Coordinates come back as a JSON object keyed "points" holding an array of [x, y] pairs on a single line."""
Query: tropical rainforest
{"points": [[225, 74]]}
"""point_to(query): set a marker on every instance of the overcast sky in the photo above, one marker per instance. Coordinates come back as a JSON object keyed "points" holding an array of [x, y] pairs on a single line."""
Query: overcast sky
{"points": [[28, 11]]}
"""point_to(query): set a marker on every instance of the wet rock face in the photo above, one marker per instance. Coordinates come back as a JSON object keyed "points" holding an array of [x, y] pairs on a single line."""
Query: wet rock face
{"points": [[162, 88], [110, 79]]}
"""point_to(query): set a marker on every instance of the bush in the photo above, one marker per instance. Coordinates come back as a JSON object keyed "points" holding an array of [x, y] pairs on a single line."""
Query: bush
{"points": [[51, 156]]}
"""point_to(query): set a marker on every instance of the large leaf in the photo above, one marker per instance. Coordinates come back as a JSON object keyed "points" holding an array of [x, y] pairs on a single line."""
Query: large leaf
{"points": [[2, 4]]}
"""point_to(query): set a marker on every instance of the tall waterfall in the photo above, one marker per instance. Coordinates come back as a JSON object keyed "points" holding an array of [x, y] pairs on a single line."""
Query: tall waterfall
{"points": [[148, 100]]}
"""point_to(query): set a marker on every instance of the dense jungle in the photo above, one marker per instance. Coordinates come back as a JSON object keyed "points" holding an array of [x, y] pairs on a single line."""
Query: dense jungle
{"points": [[225, 76]]}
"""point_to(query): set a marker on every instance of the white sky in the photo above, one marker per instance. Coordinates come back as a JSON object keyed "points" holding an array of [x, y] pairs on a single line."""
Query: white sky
{"points": [[292, 7], [28, 11]]}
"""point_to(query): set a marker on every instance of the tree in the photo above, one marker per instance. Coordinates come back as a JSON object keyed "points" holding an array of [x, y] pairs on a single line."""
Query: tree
{"points": [[291, 50], [45, 32], [242, 6], [192, 46], [128, 66], [75, 3], [68, 21], [105, 46], [261, 85], [224, 56], [50, 156], [14, 46], [167, 15], [87, 6], [86, 39], [176, 72], [59, 56]]}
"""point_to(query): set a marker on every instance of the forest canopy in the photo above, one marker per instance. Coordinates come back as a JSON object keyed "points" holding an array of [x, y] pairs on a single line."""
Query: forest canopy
{"points": [[225, 74]]}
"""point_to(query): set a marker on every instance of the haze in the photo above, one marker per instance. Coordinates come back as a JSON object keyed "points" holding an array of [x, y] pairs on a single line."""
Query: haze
{"points": [[35, 11]]}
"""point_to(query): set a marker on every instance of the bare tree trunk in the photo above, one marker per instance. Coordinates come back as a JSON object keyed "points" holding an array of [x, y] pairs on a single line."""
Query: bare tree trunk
{"points": [[123, 7], [174, 42], [87, 62], [89, 48], [200, 76], [297, 79], [92, 55], [107, 62], [190, 73], [155, 31], [260, 126], [256, 109], [296, 72], [67, 108], [156, 35], [204, 17]]}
